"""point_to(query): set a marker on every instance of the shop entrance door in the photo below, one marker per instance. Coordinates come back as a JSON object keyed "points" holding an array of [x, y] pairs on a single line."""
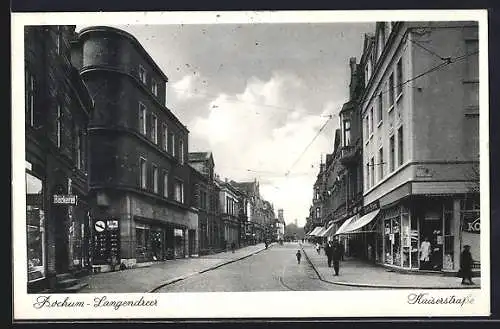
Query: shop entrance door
{"points": [[61, 239], [432, 229], [192, 241]]}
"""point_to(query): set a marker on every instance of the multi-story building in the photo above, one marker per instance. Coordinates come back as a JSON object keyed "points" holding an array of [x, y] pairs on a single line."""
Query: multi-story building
{"points": [[229, 210], [139, 176], [280, 225], [255, 226], [420, 116], [57, 110], [208, 201]]}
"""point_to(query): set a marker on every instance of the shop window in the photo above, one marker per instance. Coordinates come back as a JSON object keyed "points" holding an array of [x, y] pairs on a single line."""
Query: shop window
{"points": [[143, 242], [35, 233]]}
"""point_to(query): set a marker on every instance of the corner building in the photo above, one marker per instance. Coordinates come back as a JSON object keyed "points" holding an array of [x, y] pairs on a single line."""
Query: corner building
{"points": [[421, 142], [139, 177]]}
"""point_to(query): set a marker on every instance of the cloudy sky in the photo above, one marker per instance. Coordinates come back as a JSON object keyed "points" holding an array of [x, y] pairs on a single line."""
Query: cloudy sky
{"points": [[256, 95]]}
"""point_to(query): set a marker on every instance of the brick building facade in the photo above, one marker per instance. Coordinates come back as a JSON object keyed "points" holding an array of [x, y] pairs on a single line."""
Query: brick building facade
{"points": [[57, 110], [139, 177]]}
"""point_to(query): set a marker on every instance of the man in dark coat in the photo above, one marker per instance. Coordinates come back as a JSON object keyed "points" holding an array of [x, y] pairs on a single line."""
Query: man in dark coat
{"points": [[329, 253], [337, 253], [466, 265]]}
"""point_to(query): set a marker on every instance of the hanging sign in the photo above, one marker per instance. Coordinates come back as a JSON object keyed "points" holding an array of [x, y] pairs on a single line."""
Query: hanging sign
{"points": [[64, 199]]}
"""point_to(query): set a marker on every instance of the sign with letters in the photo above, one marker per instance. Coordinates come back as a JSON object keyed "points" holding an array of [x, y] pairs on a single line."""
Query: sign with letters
{"points": [[106, 241], [471, 223], [68, 199]]}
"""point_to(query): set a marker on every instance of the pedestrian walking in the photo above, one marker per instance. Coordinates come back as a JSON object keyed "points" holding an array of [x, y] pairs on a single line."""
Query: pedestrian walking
{"points": [[318, 248], [329, 253], [465, 271], [299, 256], [425, 253], [337, 253], [233, 246]]}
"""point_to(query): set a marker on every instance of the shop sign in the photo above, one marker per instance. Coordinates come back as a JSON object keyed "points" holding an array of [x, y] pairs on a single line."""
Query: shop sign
{"points": [[370, 207], [106, 242], [471, 224], [178, 232], [64, 199]]}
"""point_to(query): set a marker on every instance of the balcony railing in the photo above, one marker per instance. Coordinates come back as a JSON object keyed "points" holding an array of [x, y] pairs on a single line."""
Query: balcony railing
{"points": [[348, 154]]}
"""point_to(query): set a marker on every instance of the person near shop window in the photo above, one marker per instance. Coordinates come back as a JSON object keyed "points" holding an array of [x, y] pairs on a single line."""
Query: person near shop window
{"points": [[425, 253], [465, 271]]}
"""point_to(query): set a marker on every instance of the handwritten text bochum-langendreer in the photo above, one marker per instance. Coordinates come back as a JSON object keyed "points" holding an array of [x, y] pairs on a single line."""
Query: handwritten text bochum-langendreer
{"points": [[426, 298], [101, 301]]}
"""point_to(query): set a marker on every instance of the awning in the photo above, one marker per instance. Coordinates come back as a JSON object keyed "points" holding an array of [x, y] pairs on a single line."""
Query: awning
{"points": [[321, 233], [329, 231], [361, 221], [344, 226], [316, 230]]}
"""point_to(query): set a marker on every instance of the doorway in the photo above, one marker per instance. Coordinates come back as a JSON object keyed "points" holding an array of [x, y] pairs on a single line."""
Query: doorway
{"points": [[61, 239]]}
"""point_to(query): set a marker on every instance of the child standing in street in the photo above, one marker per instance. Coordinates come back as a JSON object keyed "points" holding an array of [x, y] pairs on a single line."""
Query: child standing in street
{"points": [[299, 256]]}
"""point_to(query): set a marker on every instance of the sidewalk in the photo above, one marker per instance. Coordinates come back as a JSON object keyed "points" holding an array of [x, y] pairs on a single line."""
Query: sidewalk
{"points": [[354, 272], [151, 278]]}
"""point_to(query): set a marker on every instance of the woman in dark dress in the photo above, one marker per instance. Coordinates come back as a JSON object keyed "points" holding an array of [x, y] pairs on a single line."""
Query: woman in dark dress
{"points": [[466, 266]]}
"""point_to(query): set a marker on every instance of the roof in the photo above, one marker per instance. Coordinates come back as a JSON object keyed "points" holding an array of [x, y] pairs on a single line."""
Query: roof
{"points": [[199, 156]]}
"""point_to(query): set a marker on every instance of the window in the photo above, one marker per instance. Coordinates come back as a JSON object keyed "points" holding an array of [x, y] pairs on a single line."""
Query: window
{"points": [[35, 232], [381, 39], [400, 146], [391, 150], [165, 137], [142, 74], [59, 125], [155, 179], [165, 184], [381, 163], [318, 213], [154, 87], [368, 71], [143, 173], [391, 90], [380, 107], [166, 93], [347, 132], [228, 205], [316, 194], [371, 120], [79, 148], [368, 175], [154, 129], [399, 76], [30, 99], [172, 140], [179, 191], [142, 118], [367, 127], [372, 167], [181, 149]]}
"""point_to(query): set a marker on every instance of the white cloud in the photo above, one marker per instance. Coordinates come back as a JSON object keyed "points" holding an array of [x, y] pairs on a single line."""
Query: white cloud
{"points": [[186, 88], [252, 141]]}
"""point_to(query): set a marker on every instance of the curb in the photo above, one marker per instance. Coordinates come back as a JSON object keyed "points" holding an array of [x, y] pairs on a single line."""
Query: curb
{"points": [[363, 285], [183, 277]]}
